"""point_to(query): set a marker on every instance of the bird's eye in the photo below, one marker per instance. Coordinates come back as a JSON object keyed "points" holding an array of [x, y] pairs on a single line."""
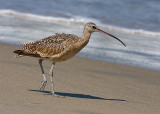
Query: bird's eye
{"points": [[94, 27]]}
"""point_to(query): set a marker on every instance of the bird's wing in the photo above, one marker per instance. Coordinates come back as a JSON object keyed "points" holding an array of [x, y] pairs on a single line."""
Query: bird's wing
{"points": [[50, 46]]}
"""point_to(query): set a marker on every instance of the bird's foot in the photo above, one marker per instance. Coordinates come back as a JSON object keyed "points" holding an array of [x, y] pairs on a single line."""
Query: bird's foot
{"points": [[59, 96], [44, 82], [56, 95]]}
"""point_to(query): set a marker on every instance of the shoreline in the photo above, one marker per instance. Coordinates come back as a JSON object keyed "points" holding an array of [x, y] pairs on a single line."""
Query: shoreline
{"points": [[17, 30], [89, 86], [89, 58]]}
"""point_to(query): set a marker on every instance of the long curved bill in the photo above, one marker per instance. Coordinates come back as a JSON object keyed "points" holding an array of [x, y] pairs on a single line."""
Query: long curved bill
{"points": [[101, 31]]}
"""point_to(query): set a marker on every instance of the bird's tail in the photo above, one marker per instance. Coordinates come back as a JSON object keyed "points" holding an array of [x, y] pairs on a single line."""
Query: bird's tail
{"points": [[18, 53]]}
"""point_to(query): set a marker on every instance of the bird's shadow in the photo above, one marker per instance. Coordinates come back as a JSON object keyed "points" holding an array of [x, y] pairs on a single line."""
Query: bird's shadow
{"points": [[75, 95]]}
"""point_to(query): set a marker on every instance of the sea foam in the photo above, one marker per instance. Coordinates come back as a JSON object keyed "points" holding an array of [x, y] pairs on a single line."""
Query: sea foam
{"points": [[75, 20]]}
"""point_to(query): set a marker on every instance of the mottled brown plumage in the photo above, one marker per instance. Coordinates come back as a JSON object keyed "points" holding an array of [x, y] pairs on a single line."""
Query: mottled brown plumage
{"points": [[50, 47], [59, 47]]}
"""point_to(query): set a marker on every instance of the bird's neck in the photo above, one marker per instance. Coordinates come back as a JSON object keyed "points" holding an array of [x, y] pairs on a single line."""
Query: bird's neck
{"points": [[86, 35], [83, 41]]}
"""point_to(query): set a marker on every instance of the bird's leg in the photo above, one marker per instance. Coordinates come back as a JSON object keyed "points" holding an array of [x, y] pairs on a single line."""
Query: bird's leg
{"points": [[52, 81], [44, 82]]}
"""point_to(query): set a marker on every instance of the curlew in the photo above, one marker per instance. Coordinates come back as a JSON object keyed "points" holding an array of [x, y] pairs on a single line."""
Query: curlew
{"points": [[57, 48]]}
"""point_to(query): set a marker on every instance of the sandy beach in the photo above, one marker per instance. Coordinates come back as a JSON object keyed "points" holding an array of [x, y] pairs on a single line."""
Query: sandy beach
{"points": [[89, 87]]}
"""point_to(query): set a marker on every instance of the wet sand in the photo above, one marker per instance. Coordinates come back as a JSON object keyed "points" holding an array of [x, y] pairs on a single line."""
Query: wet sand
{"points": [[89, 87]]}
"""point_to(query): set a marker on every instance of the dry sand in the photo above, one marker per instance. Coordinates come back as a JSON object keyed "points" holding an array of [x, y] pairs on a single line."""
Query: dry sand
{"points": [[90, 87]]}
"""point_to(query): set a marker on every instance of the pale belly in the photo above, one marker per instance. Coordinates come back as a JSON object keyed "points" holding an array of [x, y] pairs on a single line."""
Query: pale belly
{"points": [[69, 54]]}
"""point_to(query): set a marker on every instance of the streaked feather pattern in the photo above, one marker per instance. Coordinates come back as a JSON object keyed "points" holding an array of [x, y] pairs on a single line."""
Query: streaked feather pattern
{"points": [[50, 46]]}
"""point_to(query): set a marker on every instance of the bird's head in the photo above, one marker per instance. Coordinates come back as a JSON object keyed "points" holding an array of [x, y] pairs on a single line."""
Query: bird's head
{"points": [[92, 27]]}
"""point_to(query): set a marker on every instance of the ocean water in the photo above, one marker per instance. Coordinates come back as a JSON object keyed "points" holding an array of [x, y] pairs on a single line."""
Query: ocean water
{"points": [[135, 22]]}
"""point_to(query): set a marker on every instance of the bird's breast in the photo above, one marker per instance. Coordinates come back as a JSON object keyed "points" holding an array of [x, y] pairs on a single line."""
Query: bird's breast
{"points": [[69, 53]]}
